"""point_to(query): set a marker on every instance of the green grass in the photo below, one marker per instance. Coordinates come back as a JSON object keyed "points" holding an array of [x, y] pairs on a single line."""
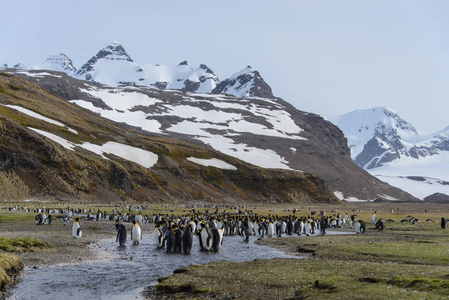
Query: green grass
{"points": [[17, 217], [23, 245], [322, 279]]}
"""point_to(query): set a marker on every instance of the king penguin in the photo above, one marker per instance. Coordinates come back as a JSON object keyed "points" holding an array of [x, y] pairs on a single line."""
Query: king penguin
{"points": [[121, 233], [178, 239], [169, 240], [76, 229], [187, 239], [158, 235], [270, 230], [206, 237], [136, 233], [217, 238]]}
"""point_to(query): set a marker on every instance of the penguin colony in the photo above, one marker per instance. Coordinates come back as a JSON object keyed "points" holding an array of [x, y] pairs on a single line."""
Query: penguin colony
{"points": [[176, 233]]}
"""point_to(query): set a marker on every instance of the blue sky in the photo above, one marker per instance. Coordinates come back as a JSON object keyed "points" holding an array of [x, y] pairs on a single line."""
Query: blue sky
{"points": [[326, 57]]}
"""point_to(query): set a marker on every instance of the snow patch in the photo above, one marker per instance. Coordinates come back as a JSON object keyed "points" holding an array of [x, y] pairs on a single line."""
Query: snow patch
{"points": [[387, 197], [354, 199], [38, 74], [213, 162], [339, 195], [144, 158], [39, 116], [419, 189]]}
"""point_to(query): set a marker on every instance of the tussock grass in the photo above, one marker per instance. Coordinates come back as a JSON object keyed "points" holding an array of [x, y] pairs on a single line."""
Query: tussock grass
{"points": [[23, 245], [10, 266]]}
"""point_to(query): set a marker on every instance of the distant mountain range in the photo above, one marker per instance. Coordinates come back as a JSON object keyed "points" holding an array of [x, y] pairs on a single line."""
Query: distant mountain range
{"points": [[113, 66], [391, 148]]}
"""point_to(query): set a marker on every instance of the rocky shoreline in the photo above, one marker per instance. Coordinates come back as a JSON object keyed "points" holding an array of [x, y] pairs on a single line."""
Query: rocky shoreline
{"points": [[11, 267]]}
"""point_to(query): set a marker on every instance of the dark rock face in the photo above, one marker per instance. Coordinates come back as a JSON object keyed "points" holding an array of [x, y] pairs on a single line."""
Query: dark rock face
{"points": [[161, 85], [437, 197], [191, 86]]}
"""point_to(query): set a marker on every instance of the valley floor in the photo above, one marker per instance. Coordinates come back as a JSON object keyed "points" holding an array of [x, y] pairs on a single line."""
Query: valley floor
{"points": [[402, 261]]}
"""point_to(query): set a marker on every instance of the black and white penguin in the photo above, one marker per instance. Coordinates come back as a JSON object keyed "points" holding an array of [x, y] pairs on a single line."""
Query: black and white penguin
{"points": [[136, 233], [322, 225], [360, 227], [158, 235], [245, 230], [39, 219], [380, 225], [217, 238], [270, 229], [121, 233], [289, 229], [169, 240], [187, 239], [307, 228], [279, 228], [205, 237], [178, 239], [76, 229]]}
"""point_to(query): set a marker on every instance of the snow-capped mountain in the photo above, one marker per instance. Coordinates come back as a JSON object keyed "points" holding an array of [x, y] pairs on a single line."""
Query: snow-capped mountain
{"points": [[59, 62], [113, 66], [379, 135], [244, 84], [392, 149]]}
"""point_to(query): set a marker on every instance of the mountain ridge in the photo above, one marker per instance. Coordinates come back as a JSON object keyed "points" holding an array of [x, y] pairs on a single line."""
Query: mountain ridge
{"points": [[113, 66]]}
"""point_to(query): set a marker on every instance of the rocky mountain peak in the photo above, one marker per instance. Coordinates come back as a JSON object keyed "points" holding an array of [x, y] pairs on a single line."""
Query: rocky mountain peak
{"points": [[204, 67], [113, 51], [246, 83], [59, 62], [19, 66]]}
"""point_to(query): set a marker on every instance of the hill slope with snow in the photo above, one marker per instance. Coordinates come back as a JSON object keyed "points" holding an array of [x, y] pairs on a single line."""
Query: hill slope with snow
{"points": [[266, 132], [56, 150]]}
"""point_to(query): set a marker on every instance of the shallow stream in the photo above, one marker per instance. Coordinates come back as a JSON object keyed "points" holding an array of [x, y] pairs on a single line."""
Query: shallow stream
{"points": [[127, 270]]}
